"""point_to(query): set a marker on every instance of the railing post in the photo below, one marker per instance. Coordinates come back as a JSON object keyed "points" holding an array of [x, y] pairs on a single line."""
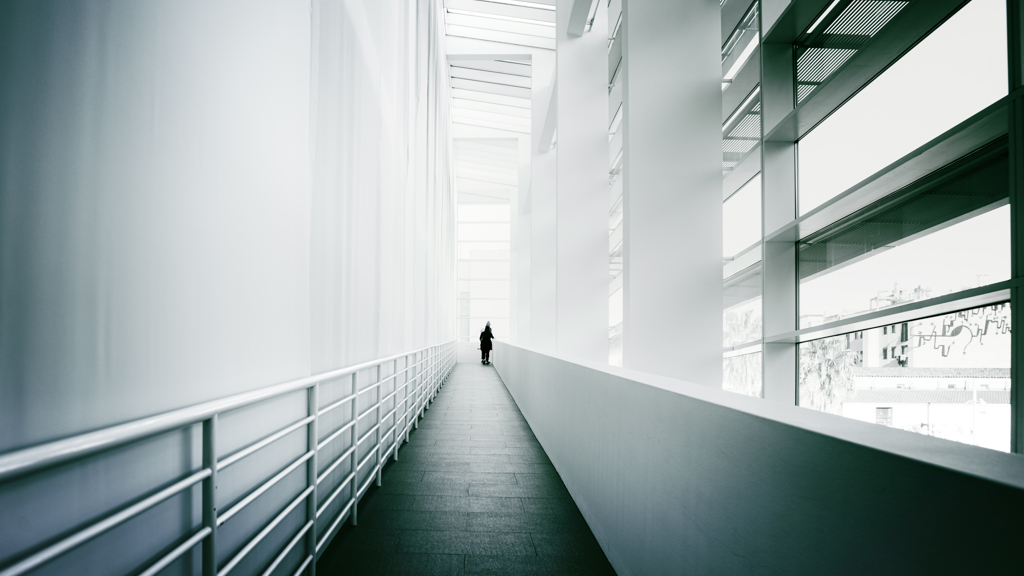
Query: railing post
{"points": [[312, 439], [416, 402], [354, 485], [395, 436], [210, 495], [380, 426], [426, 370]]}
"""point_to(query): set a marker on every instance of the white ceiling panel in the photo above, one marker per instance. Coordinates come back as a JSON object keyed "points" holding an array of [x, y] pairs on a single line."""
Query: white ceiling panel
{"points": [[491, 117], [502, 37], [493, 125], [499, 66], [492, 98], [488, 107], [523, 12], [542, 30], [489, 88], [492, 77]]}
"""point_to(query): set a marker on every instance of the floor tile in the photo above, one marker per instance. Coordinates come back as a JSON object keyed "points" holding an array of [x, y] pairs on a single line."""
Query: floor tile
{"points": [[472, 493]]}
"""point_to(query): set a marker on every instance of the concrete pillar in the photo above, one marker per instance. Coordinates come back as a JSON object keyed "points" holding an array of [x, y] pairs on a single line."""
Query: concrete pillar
{"points": [[672, 323], [779, 199], [542, 235], [581, 211], [521, 247], [778, 184]]}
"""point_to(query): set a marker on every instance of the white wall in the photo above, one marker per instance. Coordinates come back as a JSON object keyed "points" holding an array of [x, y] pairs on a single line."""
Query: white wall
{"points": [[382, 204], [198, 199], [672, 182], [155, 208], [581, 230], [681, 478]]}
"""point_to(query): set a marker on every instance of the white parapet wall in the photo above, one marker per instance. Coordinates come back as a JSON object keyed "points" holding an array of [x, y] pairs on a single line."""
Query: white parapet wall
{"points": [[678, 478]]}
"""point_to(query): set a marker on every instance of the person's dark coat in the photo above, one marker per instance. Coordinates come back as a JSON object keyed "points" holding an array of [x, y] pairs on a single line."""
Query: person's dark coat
{"points": [[485, 339]]}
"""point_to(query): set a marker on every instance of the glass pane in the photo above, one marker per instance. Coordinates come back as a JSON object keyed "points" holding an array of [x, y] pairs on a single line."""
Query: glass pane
{"points": [[483, 270], [496, 231], [467, 248], [489, 289], [741, 319], [948, 259], [742, 374], [741, 218], [741, 44], [499, 326], [488, 308], [615, 345], [615, 308], [489, 255], [484, 212], [953, 73], [945, 376], [741, 133]]}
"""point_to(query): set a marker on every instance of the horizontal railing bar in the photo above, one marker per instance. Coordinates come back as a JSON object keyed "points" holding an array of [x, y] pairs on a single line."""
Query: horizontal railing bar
{"points": [[263, 533], [280, 557], [334, 525], [265, 442], [53, 453], [302, 568], [94, 530], [222, 518], [389, 396], [177, 552], [367, 411], [365, 459], [368, 432], [384, 457], [369, 480], [334, 435], [334, 493], [337, 404], [57, 451], [337, 462]]}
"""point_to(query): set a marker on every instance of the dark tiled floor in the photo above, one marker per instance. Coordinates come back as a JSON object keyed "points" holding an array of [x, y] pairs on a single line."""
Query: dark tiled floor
{"points": [[472, 493]]}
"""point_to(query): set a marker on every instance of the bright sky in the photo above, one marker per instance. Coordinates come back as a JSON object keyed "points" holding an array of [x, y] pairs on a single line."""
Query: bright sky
{"points": [[952, 74], [946, 261]]}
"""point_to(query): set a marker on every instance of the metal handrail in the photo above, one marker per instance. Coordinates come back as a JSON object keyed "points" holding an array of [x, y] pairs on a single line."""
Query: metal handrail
{"points": [[432, 366], [53, 453]]}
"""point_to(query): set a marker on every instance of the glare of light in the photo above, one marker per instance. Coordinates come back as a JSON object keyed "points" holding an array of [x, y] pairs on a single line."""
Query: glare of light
{"points": [[823, 15], [744, 56]]}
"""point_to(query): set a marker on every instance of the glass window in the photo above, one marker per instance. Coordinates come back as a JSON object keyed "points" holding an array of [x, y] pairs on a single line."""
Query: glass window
{"points": [[742, 374], [741, 133], [483, 268], [883, 416], [955, 72], [496, 212], [466, 249], [952, 382], [740, 45], [490, 232], [741, 218], [741, 318], [956, 257]]}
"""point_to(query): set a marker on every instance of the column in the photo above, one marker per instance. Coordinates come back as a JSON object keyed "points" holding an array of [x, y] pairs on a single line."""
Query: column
{"points": [[581, 212], [672, 179]]}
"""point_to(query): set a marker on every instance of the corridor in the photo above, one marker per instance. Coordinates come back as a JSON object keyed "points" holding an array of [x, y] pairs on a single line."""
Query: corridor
{"points": [[472, 493]]}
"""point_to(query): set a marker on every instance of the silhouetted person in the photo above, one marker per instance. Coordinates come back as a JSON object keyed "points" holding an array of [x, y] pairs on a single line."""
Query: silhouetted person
{"points": [[485, 344]]}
